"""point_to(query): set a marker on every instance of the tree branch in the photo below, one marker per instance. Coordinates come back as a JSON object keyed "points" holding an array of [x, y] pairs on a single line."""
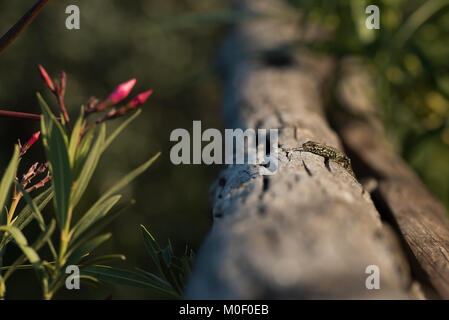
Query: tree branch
{"points": [[9, 37]]}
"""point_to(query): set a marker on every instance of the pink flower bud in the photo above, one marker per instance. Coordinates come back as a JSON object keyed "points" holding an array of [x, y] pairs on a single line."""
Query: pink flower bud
{"points": [[122, 91], [30, 142], [33, 138], [46, 78], [140, 99]]}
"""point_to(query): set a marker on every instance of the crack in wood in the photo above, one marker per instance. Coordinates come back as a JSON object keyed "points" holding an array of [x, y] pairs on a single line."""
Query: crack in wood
{"points": [[307, 169]]}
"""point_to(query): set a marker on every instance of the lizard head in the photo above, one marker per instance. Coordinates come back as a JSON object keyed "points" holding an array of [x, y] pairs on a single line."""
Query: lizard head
{"points": [[310, 144]]}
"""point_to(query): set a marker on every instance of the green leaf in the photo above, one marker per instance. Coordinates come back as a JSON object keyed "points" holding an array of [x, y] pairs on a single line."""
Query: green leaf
{"points": [[170, 275], [43, 238], [76, 254], [22, 242], [55, 142], [86, 249], [82, 151], [152, 247], [94, 229], [3, 216], [120, 129], [34, 208], [89, 167], [166, 255], [37, 213], [156, 278], [75, 137], [89, 280], [93, 215], [103, 259], [29, 252], [126, 278], [174, 270], [100, 209], [2, 287], [8, 178], [26, 215]]}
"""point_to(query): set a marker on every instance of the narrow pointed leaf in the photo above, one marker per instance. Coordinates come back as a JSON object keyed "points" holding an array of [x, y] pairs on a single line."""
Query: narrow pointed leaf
{"points": [[152, 247], [89, 280], [75, 137], [94, 229], [82, 151], [34, 208], [93, 215], [29, 252], [8, 178], [2, 287], [103, 259], [89, 167], [43, 238], [55, 142], [26, 215], [156, 278], [125, 277], [76, 255]]}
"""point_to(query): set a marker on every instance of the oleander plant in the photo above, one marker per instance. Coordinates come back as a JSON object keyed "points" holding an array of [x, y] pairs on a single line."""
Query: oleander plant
{"points": [[51, 195], [73, 152]]}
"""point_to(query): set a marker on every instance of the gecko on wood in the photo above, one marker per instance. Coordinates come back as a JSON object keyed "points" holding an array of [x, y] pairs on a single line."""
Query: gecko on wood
{"points": [[327, 152]]}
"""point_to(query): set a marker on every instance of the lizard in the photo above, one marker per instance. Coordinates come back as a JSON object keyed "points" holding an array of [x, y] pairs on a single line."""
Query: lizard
{"points": [[327, 152]]}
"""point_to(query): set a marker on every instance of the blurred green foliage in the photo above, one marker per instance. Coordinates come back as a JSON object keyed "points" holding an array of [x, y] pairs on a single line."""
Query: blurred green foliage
{"points": [[408, 57], [169, 46]]}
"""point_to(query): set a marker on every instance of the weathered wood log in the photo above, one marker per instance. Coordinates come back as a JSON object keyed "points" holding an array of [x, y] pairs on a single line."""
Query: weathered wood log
{"points": [[399, 194], [309, 231]]}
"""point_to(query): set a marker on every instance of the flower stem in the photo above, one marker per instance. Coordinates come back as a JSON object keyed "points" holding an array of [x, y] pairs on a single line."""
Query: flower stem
{"points": [[13, 208], [63, 109], [21, 115], [2, 291], [9, 37]]}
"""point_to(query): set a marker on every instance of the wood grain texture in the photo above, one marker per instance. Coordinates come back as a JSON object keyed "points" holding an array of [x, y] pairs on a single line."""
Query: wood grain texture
{"points": [[310, 230], [421, 219]]}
